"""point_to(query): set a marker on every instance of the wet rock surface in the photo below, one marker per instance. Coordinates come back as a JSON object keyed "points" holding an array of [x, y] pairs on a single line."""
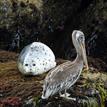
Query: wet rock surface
{"points": [[17, 90]]}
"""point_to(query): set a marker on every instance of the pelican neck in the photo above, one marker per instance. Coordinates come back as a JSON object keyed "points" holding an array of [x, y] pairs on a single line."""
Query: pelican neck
{"points": [[78, 58]]}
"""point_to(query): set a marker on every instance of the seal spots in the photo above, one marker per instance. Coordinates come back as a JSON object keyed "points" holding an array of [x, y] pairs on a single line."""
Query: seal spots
{"points": [[37, 70], [33, 61], [31, 47], [43, 48], [30, 54], [37, 58], [49, 60], [44, 68]]}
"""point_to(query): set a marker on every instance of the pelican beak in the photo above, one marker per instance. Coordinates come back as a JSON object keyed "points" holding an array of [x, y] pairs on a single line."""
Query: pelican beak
{"points": [[84, 56]]}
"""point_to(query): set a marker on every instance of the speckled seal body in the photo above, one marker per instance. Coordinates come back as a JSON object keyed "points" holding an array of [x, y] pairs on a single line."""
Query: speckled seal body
{"points": [[36, 59]]}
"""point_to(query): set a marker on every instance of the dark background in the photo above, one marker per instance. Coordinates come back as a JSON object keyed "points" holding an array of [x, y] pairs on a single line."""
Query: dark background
{"points": [[52, 22]]}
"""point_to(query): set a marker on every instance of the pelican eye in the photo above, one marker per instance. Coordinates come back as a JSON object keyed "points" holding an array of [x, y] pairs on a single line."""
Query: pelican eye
{"points": [[81, 38], [34, 64], [26, 64]]}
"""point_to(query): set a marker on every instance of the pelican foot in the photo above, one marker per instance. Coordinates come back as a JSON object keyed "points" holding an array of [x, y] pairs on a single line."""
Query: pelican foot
{"points": [[64, 95], [70, 98]]}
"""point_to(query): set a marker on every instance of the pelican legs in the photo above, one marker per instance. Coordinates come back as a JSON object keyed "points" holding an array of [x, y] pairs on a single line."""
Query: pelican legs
{"points": [[66, 96]]}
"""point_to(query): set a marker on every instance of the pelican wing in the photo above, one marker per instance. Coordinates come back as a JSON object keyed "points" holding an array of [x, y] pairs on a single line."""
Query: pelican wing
{"points": [[57, 69], [60, 78]]}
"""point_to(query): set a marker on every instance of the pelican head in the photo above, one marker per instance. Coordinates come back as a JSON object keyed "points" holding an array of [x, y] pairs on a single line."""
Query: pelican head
{"points": [[78, 39]]}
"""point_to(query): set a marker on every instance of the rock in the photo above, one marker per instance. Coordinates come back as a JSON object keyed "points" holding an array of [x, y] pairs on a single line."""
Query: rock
{"points": [[35, 20], [29, 88], [8, 56], [11, 102], [35, 59], [93, 22]]}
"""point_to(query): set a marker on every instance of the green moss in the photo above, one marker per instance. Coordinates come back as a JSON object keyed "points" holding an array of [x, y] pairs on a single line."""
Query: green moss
{"points": [[89, 102], [37, 100], [99, 86]]}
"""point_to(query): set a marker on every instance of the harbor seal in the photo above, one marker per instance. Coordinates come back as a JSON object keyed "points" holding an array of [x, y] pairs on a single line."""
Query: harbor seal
{"points": [[36, 58]]}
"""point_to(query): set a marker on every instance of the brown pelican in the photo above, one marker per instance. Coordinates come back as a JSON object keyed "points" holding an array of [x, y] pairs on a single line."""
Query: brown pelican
{"points": [[65, 75]]}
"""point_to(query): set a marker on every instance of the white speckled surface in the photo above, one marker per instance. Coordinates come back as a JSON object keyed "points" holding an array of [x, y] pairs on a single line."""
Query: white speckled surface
{"points": [[35, 59]]}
